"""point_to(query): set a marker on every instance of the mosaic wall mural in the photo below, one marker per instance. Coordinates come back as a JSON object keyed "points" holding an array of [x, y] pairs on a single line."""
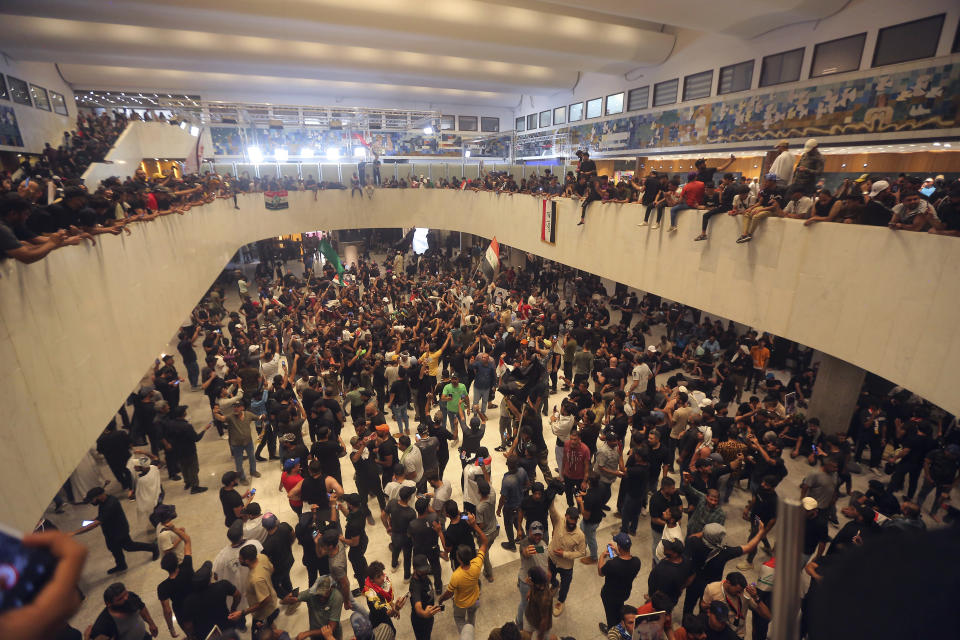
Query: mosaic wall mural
{"points": [[231, 141], [927, 98], [9, 129]]}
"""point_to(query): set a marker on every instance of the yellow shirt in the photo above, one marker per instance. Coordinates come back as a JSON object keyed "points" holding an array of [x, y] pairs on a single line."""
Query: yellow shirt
{"points": [[260, 587], [432, 360], [465, 582]]}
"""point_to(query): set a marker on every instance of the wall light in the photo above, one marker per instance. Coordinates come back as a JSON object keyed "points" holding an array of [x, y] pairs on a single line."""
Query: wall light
{"points": [[306, 153], [183, 125], [333, 153], [255, 154], [466, 154], [281, 154], [359, 152], [428, 130]]}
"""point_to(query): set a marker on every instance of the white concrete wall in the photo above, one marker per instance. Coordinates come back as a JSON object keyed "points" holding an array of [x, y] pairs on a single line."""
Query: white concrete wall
{"points": [[36, 125], [138, 141], [79, 327]]}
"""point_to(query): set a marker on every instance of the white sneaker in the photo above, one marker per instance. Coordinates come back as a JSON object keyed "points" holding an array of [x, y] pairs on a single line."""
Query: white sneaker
{"points": [[876, 471], [671, 229], [642, 224], [655, 225]]}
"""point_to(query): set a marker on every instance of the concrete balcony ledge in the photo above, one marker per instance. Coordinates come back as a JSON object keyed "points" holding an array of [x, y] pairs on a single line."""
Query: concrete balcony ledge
{"points": [[79, 327]]}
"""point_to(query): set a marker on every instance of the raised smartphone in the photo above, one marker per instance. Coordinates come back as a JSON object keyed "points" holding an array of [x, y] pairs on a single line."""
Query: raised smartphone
{"points": [[24, 571]]}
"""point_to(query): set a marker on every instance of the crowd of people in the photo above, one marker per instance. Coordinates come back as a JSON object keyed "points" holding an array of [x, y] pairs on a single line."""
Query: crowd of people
{"points": [[315, 374]]}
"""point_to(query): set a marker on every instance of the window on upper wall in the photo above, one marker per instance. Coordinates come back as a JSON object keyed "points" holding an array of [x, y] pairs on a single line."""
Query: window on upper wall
{"points": [[614, 104], [837, 56], [956, 41], [576, 112], [468, 123], [594, 108], [638, 98], [489, 124], [19, 91], [908, 41], [520, 124], [781, 67], [736, 77], [448, 123], [531, 121], [545, 118], [40, 98], [4, 95], [665, 92], [560, 115], [698, 85]]}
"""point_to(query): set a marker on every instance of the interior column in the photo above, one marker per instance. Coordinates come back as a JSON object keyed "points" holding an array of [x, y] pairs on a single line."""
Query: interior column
{"points": [[835, 393]]}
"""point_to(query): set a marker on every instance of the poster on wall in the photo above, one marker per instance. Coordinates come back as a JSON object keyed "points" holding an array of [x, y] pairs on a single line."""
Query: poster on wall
{"points": [[275, 200], [548, 224], [9, 129]]}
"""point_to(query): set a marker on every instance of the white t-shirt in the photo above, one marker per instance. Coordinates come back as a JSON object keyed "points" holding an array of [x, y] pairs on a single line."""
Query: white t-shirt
{"points": [[669, 533], [783, 166], [253, 529], [167, 540], [799, 207], [226, 566], [472, 473], [440, 495], [412, 461], [641, 376]]}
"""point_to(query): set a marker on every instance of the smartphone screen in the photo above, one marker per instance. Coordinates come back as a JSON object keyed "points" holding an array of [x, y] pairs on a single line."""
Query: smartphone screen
{"points": [[610, 552], [24, 571], [465, 517], [86, 523]]}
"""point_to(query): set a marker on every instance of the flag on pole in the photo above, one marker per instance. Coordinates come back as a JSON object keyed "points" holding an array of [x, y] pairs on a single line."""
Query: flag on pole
{"points": [[491, 260], [327, 251]]}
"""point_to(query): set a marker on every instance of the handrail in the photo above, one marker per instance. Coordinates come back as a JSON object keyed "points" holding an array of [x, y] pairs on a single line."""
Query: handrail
{"points": [[80, 326]]}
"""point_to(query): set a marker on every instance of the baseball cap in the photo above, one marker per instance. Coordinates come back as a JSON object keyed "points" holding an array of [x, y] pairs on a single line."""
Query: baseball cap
{"points": [[535, 527], [863, 177], [878, 186], [782, 143], [810, 144], [288, 437], [809, 504], [623, 540], [202, 574], [235, 531], [290, 463], [509, 329]]}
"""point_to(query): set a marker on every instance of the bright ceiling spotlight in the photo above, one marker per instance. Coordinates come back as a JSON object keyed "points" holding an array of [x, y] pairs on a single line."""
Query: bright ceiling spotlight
{"points": [[281, 154], [255, 154], [306, 153], [466, 154], [428, 130], [359, 152], [333, 153]]}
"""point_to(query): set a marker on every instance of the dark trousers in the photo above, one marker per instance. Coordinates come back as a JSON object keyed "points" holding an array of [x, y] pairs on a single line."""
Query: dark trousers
{"points": [[694, 593], [566, 577], [925, 491], [632, 505], [127, 544], [709, 214], [760, 624], [899, 473], [612, 603], [876, 448], [570, 488], [422, 627], [173, 465], [646, 216], [766, 543], [281, 581], [190, 468], [269, 440], [120, 471], [359, 563], [365, 488], [433, 555], [510, 522], [405, 545]]}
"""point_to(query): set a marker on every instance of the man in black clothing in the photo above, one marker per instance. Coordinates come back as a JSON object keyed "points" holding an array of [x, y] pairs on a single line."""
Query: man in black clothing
{"points": [[366, 472], [114, 445], [116, 530], [660, 503], [206, 607], [173, 592], [708, 557], [458, 533], [427, 537], [230, 499], [183, 438], [619, 572], [671, 575], [123, 608], [278, 546], [326, 450], [355, 536], [397, 518]]}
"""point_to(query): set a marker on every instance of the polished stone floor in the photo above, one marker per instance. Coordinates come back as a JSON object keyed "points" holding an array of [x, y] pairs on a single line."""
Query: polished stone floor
{"points": [[201, 515]]}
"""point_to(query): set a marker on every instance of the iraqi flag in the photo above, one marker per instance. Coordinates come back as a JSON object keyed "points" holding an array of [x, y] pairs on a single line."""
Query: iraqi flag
{"points": [[548, 224], [491, 260]]}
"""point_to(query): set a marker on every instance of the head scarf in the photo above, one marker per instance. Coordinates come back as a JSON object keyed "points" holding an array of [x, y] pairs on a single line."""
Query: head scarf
{"points": [[713, 535], [707, 435]]}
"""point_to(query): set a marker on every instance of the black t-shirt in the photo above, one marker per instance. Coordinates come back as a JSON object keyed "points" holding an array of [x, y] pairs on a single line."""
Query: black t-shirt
{"points": [[400, 518], [177, 589], [815, 531], [593, 502], [400, 391], [327, 453], [113, 521], [765, 505], [669, 577], [705, 175], [424, 537], [660, 503], [279, 547], [458, 533], [588, 165], [185, 347], [620, 574], [229, 500], [387, 450], [356, 526], [612, 376], [421, 590], [208, 607], [709, 565], [314, 490]]}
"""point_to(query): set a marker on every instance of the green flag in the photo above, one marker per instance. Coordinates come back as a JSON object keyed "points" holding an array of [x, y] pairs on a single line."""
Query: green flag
{"points": [[332, 258]]}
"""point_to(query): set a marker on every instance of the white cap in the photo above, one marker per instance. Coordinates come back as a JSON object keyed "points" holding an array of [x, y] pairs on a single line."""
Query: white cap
{"points": [[509, 329], [810, 144], [809, 504], [682, 389], [652, 349], [706, 402], [878, 187]]}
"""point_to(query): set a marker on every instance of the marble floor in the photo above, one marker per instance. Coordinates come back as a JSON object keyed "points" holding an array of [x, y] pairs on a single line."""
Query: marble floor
{"points": [[201, 515]]}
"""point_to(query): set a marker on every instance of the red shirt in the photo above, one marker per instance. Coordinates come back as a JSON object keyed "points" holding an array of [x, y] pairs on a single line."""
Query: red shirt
{"points": [[576, 462], [692, 193], [289, 481]]}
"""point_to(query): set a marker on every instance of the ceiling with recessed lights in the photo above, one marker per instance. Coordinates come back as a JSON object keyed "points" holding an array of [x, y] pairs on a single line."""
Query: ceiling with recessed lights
{"points": [[478, 52]]}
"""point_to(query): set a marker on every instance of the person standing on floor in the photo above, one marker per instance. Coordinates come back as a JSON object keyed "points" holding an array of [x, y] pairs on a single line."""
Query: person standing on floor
{"points": [[116, 530], [184, 439], [618, 569], [568, 544], [464, 585], [261, 596]]}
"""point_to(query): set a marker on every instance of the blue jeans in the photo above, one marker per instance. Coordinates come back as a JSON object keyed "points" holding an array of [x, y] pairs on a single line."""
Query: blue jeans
{"points": [[237, 452], [400, 416], [454, 418], [480, 397], [524, 589], [675, 209], [590, 534]]}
